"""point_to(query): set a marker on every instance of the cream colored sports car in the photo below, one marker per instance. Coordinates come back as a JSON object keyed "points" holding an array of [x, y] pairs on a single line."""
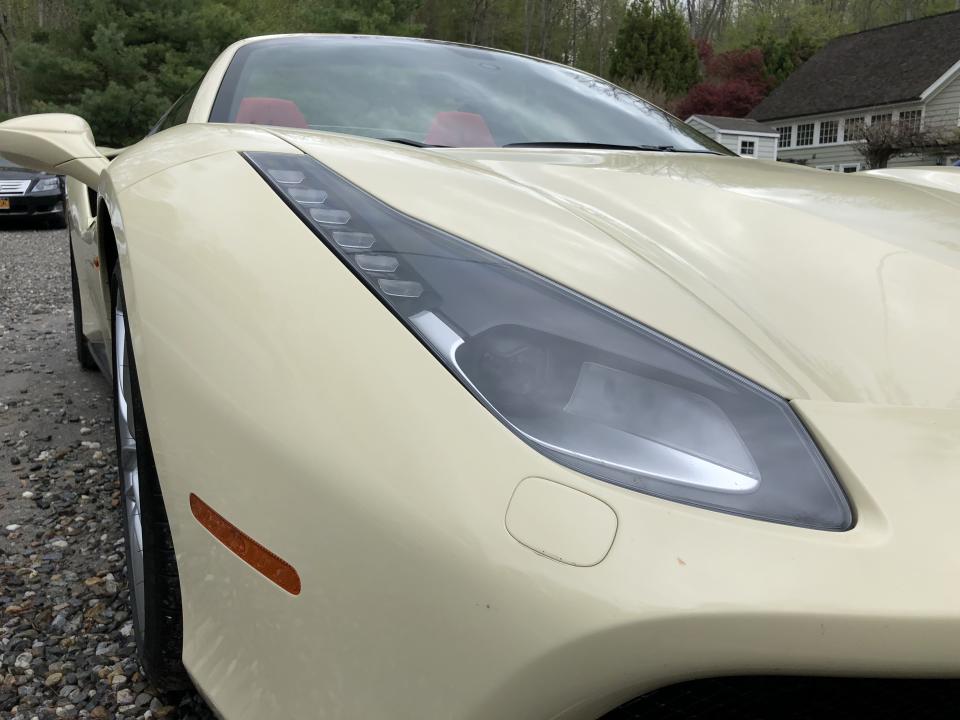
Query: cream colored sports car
{"points": [[451, 383]]}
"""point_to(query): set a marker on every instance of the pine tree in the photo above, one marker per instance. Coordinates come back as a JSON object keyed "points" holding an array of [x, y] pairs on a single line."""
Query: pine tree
{"points": [[124, 62], [655, 46]]}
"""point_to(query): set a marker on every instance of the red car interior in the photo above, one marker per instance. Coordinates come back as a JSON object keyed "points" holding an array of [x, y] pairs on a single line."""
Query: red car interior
{"points": [[270, 111], [459, 129]]}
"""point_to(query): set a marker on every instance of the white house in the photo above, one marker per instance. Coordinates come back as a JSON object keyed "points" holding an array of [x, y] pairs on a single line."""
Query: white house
{"points": [[908, 73], [744, 136]]}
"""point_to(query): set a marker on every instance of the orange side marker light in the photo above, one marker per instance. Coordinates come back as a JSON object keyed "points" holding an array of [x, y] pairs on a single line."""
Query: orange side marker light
{"points": [[245, 547]]}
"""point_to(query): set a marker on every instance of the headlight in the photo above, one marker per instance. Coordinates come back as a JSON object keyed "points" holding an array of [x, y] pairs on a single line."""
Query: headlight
{"points": [[583, 385], [47, 184]]}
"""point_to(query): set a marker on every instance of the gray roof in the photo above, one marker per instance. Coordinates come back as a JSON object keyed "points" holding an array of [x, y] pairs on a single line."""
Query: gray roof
{"points": [[740, 125], [889, 64]]}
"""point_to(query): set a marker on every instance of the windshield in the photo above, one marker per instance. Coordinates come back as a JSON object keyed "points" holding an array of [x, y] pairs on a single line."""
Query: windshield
{"points": [[438, 94]]}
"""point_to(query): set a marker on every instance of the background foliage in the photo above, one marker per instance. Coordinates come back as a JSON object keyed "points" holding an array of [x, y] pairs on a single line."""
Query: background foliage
{"points": [[655, 44], [121, 63]]}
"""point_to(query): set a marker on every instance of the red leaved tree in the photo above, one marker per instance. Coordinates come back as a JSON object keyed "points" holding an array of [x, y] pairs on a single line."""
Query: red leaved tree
{"points": [[730, 98], [736, 82]]}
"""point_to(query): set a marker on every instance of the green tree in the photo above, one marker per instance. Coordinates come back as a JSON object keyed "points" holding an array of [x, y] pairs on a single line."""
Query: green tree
{"points": [[655, 46], [781, 56], [123, 62], [369, 17]]}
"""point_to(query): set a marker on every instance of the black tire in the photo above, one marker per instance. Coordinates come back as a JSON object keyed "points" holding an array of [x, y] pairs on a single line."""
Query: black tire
{"points": [[56, 222], [159, 633], [84, 356]]}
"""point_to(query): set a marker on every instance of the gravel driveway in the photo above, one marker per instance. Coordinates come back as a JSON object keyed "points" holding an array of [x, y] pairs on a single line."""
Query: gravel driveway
{"points": [[66, 645]]}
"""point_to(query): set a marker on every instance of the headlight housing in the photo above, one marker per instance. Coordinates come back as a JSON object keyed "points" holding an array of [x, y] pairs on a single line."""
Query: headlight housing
{"points": [[46, 184], [580, 383]]}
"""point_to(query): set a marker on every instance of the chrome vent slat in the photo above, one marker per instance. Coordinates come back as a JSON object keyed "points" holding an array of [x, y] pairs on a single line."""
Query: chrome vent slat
{"points": [[13, 187]]}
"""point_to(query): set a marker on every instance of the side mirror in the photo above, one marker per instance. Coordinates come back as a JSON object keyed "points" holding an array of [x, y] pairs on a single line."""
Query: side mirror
{"points": [[54, 143]]}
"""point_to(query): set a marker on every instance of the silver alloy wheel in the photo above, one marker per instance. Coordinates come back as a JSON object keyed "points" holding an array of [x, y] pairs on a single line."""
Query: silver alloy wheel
{"points": [[129, 473]]}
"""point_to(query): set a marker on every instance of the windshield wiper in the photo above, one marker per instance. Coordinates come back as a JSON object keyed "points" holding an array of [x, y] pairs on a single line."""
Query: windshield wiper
{"points": [[559, 145], [412, 143], [602, 146]]}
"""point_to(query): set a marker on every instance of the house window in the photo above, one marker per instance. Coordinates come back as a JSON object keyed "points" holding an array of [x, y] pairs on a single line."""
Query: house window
{"points": [[853, 128], [850, 168], [911, 119], [828, 131], [882, 119], [805, 134], [748, 148], [786, 135]]}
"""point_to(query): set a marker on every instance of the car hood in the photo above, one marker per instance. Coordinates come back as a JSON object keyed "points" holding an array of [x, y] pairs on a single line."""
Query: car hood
{"points": [[939, 178], [814, 284]]}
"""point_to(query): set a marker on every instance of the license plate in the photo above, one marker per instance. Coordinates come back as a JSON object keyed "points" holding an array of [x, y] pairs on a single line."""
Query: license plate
{"points": [[4, 203]]}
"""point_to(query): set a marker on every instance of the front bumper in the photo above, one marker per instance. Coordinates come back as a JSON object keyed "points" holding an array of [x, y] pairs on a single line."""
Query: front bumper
{"points": [[431, 608], [33, 204]]}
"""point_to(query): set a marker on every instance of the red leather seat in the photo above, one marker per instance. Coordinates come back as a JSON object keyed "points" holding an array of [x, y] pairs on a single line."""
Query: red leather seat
{"points": [[459, 129], [270, 111]]}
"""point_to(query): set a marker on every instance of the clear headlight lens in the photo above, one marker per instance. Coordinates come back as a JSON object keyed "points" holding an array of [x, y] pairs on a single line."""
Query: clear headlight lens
{"points": [[47, 184], [583, 385]]}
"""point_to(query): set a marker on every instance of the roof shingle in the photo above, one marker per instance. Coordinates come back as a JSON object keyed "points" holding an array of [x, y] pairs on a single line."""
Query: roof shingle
{"points": [[889, 64]]}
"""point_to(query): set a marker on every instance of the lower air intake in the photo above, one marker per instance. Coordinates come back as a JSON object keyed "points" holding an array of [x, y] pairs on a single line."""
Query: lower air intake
{"points": [[796, 698]]}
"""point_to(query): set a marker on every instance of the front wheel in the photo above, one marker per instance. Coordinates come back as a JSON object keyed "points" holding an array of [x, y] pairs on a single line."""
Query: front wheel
{"points": [[151, 563]]}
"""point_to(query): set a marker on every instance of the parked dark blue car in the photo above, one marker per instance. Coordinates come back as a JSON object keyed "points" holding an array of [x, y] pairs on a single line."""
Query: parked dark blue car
{"points": [[27, 193]]}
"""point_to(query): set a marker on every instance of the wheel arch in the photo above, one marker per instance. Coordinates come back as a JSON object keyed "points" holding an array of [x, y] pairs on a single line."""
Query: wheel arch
{"points": [[106, 241], [108, 257]]}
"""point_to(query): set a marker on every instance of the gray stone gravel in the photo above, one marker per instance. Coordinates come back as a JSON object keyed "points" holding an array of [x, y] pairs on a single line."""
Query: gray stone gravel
{"points": [[66, 641]]}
